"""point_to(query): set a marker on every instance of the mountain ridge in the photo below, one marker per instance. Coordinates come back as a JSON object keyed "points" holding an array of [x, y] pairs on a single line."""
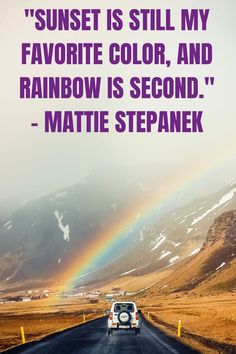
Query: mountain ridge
{"points": [[40, 238]]}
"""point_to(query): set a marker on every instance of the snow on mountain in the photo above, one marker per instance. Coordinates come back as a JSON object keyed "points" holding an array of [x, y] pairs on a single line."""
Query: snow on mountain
{"points": [[65, 229], [224, 199], [158, 242], [176, 244], [129, 271], [194, 251], [141, 235], [132, 270], [165, 254], [7, 225], [173, 259], [220, 266], [189, 229]]}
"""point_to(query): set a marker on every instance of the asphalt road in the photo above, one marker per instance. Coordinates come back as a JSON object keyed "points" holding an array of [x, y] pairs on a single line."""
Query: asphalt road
{"points": [[91, 338]]}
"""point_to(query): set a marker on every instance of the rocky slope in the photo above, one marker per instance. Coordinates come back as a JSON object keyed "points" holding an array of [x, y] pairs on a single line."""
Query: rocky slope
{"points": [[213, 269]]}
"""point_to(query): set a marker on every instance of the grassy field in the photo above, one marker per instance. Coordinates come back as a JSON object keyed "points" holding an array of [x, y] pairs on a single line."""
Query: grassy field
{"points": [[205, 320], [42, 317]]}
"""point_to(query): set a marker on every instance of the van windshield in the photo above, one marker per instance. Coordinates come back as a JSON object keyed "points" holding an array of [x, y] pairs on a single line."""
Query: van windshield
{"points": [[124, 307]]}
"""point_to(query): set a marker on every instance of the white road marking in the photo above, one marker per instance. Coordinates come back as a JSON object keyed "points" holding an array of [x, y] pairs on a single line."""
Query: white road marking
{"points": [[161, 342]]}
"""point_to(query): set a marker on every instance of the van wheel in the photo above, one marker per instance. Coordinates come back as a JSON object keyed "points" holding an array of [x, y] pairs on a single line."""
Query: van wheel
{"points": [[137, 331]]}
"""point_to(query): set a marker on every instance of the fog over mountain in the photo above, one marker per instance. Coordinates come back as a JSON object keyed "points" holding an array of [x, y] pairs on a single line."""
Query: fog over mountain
{"points": [[206, 180]]}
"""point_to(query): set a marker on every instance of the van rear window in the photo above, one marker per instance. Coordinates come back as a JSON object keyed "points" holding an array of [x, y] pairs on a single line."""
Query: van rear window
{"points": [[124, 307]]}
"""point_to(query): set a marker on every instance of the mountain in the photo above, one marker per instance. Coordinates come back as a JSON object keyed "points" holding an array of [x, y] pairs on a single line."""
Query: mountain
{"points": [[213, 269], [171, 237], [39, 239]]}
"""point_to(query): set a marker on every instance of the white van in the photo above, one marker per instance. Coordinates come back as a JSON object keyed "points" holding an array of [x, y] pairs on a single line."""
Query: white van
{"points": [[123, 316]]}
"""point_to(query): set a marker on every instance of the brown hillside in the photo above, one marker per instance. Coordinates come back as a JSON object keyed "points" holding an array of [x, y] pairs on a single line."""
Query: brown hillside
{"points": [[213, 269]]}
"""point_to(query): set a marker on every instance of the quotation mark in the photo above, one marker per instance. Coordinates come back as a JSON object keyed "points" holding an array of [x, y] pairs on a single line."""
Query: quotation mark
{"points": [[29, 12], [209, 80]]}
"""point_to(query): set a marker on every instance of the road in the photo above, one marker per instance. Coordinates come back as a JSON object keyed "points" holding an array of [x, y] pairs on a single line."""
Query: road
{"points": [[91, 338]]}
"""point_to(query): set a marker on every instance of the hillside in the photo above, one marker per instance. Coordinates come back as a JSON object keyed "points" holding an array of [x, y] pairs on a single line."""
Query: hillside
{"points": [[170, 238], [213, 269]]}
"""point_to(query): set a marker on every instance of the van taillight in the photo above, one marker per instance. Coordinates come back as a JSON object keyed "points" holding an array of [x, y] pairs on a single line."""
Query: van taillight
{"points": [[110, 316], [137, 317]]}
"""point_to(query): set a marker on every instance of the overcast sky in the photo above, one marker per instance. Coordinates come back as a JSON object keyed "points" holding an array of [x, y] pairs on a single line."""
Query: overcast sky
{"points": [[33, 163]]}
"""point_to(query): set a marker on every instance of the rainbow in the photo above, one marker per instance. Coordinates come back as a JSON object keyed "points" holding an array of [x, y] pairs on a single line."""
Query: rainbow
{"points": [[103, 242]]}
